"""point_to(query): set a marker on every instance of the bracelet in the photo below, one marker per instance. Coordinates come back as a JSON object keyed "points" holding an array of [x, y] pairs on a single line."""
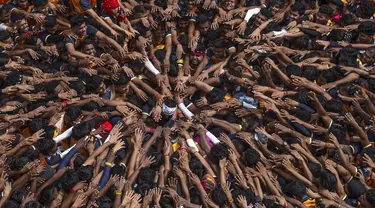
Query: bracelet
{"points": [[166, 155], [109, 164], [118, 192], [133, 78]]}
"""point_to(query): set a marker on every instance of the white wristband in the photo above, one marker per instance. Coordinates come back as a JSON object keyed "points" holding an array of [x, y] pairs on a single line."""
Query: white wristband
{"points": [[185, 111], [3, 27], [212, 137], [151, 67], [191, 143], [250, 13]]}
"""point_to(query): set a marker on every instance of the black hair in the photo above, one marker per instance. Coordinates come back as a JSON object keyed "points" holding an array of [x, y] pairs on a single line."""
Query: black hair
{"points": [[85, 173], [78, 86], [219, 151], [325, 9], [295, 188], [123, 79], [203, 18], [81, 130], [266, 12], [334, 105], [69, 180], [5, 8], [310, 72], [355, 188], [79, 161], [50, 21], [272, 26], [159, 160], [139, 9], [279, 3], [40, 3], [45, 146], [339, 132], [292, 69], [11, 203], [76, 20], [328, 181], [73, 112], [4, 35], [18, 194], [251, 123], [314, 168], [104, 202], [298, 7], [251, 157], [196, 167], [14, 17], [146, 175], [170, 103], [269, 203], [218, 196], [93, 82], [4, 59], [347, 19], [367, 27], [117, 170], [46, 195], [247, 193], [239, 145], [366, 9], [13, 78], [330, 75], [91, 106], [370, 197], [337, 3], [143, 187], [19, 163], [166, 202], [33, 204]]}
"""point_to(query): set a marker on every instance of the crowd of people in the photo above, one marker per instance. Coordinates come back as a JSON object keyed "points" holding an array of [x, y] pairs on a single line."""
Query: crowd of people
{"points": [[187, 103]]}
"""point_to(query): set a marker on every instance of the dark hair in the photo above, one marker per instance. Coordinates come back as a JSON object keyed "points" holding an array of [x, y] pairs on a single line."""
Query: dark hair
{"points": [[93, 82], [139, 9], [298, 7], [46, 195], [91, 106], [5, 8], [303, 115], [314, 168], [77, 20], [370, 197], [40, 3], [251, 157], [218, 196], [367, 27], [239, 145], [293, 70], [310, 72], [18, 194], [325, 9], [170, 103], [33, 204], [19, 163], [355, 188], [11, 203], [159, 160], [347, 19], [366, 9], [77, 86], [295, 188], [73, 112], [122, 80], [333, 105], [79, 161], [117, 170], [85, 173], [50, 21], [219, 151], [266, 12], [371, 84], [45, 146], [203, 18], [146, 175], [69, 180], [340, 132], [196, 166], [328, 181], [81, 130], [104, 202], [14, 17], [4, 59]]}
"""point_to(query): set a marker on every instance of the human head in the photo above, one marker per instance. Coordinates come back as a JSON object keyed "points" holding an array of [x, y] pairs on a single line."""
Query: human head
{"points": [[88, 47], [295, 188], [78, 25], [50, 23], [219, 151], [81, 130], [230, 5], [85, 173], [325, 12], [367, 200], [218, 196], [297, 10], [111, 6], [48, 194], [47, 147], [365, 10], [5, 13], [41, 6], [204, 24], [328, 181], [354, 188], [366, 31], [23, 4], [250, 157]]}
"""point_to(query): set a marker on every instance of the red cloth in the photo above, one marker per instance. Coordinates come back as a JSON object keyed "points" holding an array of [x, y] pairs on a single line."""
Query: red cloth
{"points": [[107, 127], [108, 5]]}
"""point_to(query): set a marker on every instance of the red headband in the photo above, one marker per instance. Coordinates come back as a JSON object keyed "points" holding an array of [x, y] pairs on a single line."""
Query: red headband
{"points": [[200, 53]]}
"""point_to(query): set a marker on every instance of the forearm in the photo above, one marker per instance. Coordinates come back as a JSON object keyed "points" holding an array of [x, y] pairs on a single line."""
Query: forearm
{"points": [[232, 128], [133, 159]]}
